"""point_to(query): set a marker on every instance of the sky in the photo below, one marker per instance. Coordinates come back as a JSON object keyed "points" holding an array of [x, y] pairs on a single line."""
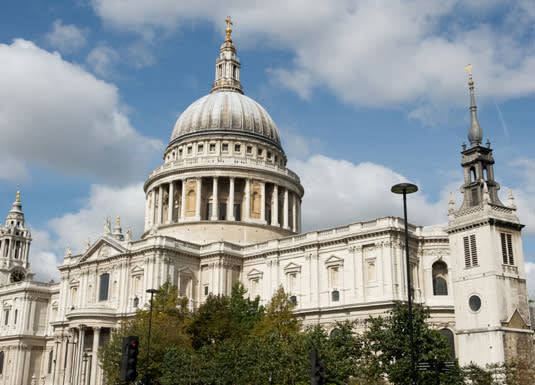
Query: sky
{"points": [[365, 94]]}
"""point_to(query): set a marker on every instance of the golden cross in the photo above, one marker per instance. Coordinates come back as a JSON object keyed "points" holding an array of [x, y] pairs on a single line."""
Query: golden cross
{"points": [[229, 22]]}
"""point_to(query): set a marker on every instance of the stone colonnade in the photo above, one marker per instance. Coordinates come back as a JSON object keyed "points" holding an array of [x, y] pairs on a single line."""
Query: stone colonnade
{"points": [[223, 198], [76, 361]]}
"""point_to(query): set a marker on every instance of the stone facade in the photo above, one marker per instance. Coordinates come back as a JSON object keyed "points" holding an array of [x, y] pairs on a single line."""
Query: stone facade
{"points": [[223, 207]]}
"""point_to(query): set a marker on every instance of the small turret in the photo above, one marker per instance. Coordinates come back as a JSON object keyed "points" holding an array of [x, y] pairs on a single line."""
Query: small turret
{"points": [[15, 217], [479, 185], [15, 242], [227, 67]]}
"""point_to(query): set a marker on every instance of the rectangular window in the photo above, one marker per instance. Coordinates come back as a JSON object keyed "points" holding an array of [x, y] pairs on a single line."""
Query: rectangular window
{"points": [[104, 286], [249, 149], [189, 149], [237, 212], [470, 251], [6, 317], [259, 152], [237, 148], [180, 152], [212, 147], [16, 316], [224, 147], [206, 290], [208, 210], [507, 249], [222, 211], [200, 148]]}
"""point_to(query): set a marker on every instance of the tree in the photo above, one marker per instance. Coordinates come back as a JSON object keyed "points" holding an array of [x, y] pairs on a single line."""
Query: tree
{"points": [[170, 321], [279, 318], [386, 347]]}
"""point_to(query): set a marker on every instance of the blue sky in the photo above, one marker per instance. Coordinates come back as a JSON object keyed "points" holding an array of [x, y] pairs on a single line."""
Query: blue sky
{"points": [[364, 93]]}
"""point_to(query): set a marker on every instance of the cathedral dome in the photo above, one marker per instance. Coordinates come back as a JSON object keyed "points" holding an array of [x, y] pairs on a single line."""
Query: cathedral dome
{"points": [[226, 112]]}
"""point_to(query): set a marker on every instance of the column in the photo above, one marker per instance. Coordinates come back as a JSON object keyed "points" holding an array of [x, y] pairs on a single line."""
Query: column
{"points": [[298, 214], [294, 212], [183, 199], [198, 200], [230, 208], [147, 210], [171, 204], [263, 202], [215, 200], [247, 199], [94, 361], [275, 213], [285, 210], [70, 348], [160, 206], [153, 208]]}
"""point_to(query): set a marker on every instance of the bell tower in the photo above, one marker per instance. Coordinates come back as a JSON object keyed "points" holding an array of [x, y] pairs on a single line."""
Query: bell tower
{"points": [[15, 242], [489, 281]]}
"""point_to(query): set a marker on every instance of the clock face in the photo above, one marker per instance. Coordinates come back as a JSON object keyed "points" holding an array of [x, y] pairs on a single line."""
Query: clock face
{"points": [[17, 276]]}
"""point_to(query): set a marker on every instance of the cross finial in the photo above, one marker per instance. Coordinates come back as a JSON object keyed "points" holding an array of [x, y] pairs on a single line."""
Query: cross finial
{"points": [[228, 30]]}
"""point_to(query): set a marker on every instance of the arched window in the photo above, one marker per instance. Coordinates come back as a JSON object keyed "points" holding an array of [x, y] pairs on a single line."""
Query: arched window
{"points": [[1, 362], [451, 340], [472, 174], [440, 278]]}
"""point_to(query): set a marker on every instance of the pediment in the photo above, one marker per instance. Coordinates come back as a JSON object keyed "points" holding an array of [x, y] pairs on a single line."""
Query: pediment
{"points": [[254, 273], [292, 268], [516, 321], [102, 248], [136, 270], [185, 271], [334, 261]]}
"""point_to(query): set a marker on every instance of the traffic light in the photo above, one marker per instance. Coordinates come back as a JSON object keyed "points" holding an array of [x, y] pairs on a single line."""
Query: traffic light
{"points": [[129, 358], [317, 369]]}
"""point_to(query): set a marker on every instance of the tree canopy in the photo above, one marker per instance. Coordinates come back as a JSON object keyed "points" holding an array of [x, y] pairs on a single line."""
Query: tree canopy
{"points": [[235, 340]]}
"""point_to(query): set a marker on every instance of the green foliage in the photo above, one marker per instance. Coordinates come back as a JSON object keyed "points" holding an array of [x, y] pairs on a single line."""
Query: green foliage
{"points": [[170, 320], [279, 318], [386, 347], [234, 340]]}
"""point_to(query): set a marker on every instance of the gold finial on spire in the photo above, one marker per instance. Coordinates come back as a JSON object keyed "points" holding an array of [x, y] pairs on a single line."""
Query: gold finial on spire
{"points": [[17, 199], [228, 30], [469, 69], [118, 220]]}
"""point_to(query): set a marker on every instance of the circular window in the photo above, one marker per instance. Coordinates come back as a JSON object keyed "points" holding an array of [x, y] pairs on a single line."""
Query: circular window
{"points": [[474, 302]]}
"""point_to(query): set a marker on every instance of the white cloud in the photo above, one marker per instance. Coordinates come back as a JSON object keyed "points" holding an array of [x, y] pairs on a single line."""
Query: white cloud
{"points": [[66, 38], [57, 115], [103, 201], [141, 55], [73, 229], [101, 59], [530, 279], [372, 53], [524, 193], [338, 192]]}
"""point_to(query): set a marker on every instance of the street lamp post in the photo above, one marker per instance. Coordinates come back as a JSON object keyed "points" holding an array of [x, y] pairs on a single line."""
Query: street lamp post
{"points": [[147, 379], [408, 188]]}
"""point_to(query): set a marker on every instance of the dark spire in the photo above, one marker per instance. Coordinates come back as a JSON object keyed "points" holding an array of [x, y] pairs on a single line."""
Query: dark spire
{"points": [[475, 133]]}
